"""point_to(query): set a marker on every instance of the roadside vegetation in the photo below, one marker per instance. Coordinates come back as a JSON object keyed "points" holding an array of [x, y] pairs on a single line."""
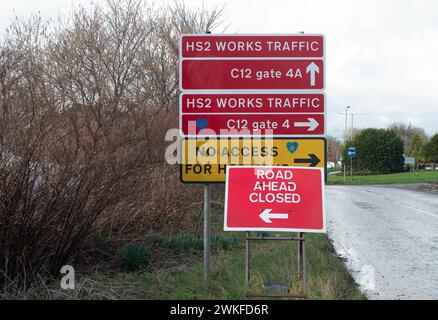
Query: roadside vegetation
{"points": [[380, 157], [274, 262], [85, 104], [378, 151], [393, 178], [162, 266]]}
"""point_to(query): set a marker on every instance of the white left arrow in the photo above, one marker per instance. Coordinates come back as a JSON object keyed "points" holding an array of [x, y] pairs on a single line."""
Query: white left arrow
{"points": [[266, 215], [312, 69]]}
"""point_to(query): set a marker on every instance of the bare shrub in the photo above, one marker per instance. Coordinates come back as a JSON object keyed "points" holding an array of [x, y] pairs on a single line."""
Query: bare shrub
{"points": [[84, 108]]}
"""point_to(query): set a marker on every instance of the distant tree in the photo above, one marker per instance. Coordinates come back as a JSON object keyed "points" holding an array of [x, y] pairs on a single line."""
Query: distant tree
{"points": [[334, 149], [430, 150], [407, 133], [356, 132], [378, 151], [416, 149]]}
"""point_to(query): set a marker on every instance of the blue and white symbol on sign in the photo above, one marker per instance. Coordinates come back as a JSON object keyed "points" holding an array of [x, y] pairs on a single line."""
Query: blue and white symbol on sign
{"points": [[352, 152]]}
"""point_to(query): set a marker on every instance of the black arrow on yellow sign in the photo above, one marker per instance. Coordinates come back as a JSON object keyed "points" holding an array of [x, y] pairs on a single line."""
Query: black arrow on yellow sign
{"points": [[313, 161]]}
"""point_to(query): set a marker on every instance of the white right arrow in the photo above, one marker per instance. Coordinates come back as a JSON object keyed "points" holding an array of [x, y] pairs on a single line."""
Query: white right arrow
{"points": [[312, 69], [311, 125], [266, 216]]}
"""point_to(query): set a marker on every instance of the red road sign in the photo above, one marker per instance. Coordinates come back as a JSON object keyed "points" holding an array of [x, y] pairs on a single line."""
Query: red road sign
{"points": [[288, 199], [252, 103], [267, 74], [228, 125], [237, 46]]}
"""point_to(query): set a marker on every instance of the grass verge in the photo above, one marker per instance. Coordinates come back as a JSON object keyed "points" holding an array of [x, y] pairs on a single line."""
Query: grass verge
{"points": [[393, 178], [176, 270], [273, 262]]}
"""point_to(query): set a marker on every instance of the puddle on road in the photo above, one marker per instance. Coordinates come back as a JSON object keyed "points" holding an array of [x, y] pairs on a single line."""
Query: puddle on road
{"points": [[363, 274], [365, 205]]}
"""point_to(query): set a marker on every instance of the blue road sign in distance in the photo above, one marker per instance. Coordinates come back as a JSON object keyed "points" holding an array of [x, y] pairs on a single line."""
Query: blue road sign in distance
{"points": [[351, 152]]}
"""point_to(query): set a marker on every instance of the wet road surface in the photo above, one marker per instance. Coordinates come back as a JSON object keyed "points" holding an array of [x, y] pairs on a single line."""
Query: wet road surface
{"points": [[388, 238]]}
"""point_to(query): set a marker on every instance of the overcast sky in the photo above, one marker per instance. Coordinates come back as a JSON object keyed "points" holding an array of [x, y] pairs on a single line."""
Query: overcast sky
{"points": [[382, 55]]}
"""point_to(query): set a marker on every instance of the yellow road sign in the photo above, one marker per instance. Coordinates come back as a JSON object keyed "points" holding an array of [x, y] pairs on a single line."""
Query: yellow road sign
{"points": [[205, 160]]}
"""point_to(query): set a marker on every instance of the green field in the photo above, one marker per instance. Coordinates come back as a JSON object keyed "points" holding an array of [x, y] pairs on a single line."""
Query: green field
{"points": [[394, 178]]}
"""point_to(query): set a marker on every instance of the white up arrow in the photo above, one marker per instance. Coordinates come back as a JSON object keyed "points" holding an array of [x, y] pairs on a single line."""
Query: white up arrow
{"points": [[266, 216], [312, 69], [311, 125]]}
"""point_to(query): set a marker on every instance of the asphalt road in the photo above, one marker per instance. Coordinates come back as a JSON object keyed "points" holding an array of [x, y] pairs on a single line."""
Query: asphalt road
{"points": [[388, 237]]}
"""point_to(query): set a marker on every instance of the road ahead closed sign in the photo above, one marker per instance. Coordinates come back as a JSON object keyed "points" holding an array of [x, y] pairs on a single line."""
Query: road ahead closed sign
{"points": [[206, 160], [285, 199]]}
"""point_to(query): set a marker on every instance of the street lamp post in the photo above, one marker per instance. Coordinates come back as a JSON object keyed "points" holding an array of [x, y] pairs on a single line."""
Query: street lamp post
{"points": [[345, 134], [346, 121], [352, 119]]}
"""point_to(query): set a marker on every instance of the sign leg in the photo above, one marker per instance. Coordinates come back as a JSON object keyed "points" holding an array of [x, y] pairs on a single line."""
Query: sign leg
{"points": [[247, 261], [351, 169], [303, 244], [300, 258], [207, 231], [302, 272]]}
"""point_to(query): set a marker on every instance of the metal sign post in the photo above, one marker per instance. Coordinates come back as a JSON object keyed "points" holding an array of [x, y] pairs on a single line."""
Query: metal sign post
{"points": [[207, 231], [302, 261], [351, 168], [351, 153], [247, 262], [207, 226]]}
